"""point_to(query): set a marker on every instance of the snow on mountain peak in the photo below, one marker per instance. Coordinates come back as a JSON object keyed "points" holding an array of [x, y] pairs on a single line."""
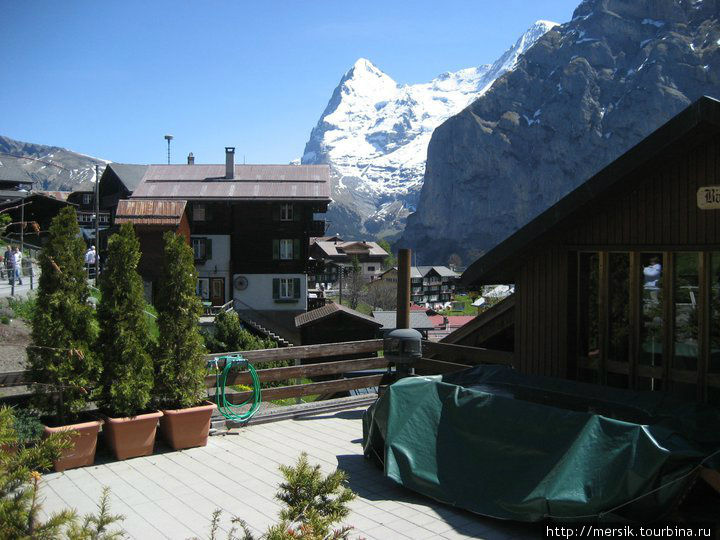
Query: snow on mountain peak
{"points": [[374, 133]]}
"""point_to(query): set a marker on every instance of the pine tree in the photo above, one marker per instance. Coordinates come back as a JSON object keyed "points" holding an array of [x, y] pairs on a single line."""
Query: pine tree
{"points": [[355, 283], [180, 366], [60, 357], [124, 340]]}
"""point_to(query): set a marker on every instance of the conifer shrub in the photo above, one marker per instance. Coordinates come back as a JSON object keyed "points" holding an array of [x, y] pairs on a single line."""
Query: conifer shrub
{"points": [[123, 344], [20, 482], [231, 335], [179, 359], [60, 357]]}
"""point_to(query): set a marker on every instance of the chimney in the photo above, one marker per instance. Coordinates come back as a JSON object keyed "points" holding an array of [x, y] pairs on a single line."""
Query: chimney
{"points": [[229, 162], [191, 159]]}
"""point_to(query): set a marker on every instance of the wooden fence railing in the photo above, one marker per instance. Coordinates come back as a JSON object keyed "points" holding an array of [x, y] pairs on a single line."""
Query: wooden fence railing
{"points": [[445, 358]]}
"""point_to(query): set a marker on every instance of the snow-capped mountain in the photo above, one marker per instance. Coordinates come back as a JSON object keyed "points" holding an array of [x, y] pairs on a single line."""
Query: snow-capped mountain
{"points": [[51, 167], [374, 133]]}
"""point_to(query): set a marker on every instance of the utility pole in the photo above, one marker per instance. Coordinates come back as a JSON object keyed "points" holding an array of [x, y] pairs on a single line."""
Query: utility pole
{"points": [[97, 225], [22, 227]]}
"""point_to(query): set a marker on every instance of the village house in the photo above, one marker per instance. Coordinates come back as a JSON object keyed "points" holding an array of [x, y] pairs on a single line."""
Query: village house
{"points": [[249, 227], [619, 282], [430, 286], [337, 254]]}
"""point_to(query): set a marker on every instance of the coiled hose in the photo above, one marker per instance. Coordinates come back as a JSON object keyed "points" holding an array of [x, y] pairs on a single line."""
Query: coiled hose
{"points": [[229, 410]]}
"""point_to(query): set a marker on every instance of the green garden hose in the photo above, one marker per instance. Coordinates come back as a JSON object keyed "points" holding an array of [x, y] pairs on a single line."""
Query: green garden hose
{"points": [[227, 409]]}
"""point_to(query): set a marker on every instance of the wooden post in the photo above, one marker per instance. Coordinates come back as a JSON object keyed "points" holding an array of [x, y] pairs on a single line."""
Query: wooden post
{"points": [[703, 307], [635, 287], [402, 319], [604, 314]]}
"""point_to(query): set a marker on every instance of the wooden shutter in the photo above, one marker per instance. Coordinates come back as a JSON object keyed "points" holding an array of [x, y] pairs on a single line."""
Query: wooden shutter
{"points": [[276, 249], [296, 212], [296, 248], [276, 288], [208, 248], [276, 212], [296, 287]]}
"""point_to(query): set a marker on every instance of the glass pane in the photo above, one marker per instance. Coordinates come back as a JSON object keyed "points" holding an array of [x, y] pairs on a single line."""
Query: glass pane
{"points": [[588, 312], [651, 319], [619, 295], [714, 366], [686, 296]]}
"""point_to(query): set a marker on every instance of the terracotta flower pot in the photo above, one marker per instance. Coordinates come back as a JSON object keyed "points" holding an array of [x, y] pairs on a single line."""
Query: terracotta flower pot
{"points": [[82, 453], [131, 436], [187, 428]]}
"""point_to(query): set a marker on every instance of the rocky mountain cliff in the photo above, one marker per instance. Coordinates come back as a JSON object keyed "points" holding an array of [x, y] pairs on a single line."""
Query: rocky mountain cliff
{"points": [[51, 167], [374, 133], [582, 95]]}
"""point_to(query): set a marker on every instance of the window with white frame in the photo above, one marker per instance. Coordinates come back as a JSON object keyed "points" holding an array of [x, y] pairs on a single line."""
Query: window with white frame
{"points": [[286, 212], [202, 288], [286, 249], [202, 248], [287, 289], [87, 198]]}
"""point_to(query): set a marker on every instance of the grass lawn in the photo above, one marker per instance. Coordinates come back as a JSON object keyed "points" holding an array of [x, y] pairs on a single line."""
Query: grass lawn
{"points": [[469, 308], [362, 307]]}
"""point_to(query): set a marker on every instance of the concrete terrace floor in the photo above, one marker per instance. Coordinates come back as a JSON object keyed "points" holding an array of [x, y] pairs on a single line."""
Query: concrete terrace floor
{"points": [[173, 494]]}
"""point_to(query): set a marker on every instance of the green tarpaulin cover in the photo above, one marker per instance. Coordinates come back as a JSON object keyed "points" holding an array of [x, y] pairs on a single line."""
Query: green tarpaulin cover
{"points": [[531, 448]]}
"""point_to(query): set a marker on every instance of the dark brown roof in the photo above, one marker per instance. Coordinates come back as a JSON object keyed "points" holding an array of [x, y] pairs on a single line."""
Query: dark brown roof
{"points": [[499, 264], [328, 310], [150, 212], [253, 182]]}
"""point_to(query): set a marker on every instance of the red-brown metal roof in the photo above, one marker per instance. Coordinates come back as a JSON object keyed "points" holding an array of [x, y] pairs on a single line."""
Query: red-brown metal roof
{"points": [[150, 212], [253, 182]]}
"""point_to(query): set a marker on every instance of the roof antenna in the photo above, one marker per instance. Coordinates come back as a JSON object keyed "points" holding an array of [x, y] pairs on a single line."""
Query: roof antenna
{"points": [[168, 138], [243, 159]]}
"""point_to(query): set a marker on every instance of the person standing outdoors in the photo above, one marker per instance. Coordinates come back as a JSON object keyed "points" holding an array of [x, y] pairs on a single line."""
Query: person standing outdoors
{"points": [[90, 256], [17, 264]]}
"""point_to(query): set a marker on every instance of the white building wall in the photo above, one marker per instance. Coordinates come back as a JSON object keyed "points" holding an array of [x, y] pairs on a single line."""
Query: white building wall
{"points": [[259, 293]]}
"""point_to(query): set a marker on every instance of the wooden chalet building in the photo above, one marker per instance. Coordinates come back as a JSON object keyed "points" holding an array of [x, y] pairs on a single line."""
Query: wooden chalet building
{"points": [[335, 323], [249, 226], [430, 286], [619, 282], [337, 254], [151, 219]]}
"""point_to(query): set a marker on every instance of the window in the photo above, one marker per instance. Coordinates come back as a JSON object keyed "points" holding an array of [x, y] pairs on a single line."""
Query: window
{"points": [[371, 269], [87, 198], [199, 212], [286, 289], [202, 249], [286, 212], [286, 249], [202, 288]]}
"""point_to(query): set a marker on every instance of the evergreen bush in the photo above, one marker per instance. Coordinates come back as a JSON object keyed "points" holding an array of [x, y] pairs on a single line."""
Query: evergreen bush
{"points": [[231, 335], [20, 485], [123, 344], [180, 364], [60, 356]]}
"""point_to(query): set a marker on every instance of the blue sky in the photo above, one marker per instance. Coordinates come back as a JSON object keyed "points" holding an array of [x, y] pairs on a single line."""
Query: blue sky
{"points": [[111, 78]]}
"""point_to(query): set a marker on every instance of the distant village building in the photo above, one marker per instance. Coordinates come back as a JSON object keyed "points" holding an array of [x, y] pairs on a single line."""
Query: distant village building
{"points": [[430, 286], [249, 227], [418, 321], [336, 254], [619, 282]]}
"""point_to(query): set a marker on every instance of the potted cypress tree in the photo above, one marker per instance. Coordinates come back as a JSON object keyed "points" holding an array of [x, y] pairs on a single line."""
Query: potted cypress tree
{"points": [[123, 346], [60, 357], [180, 365]]}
